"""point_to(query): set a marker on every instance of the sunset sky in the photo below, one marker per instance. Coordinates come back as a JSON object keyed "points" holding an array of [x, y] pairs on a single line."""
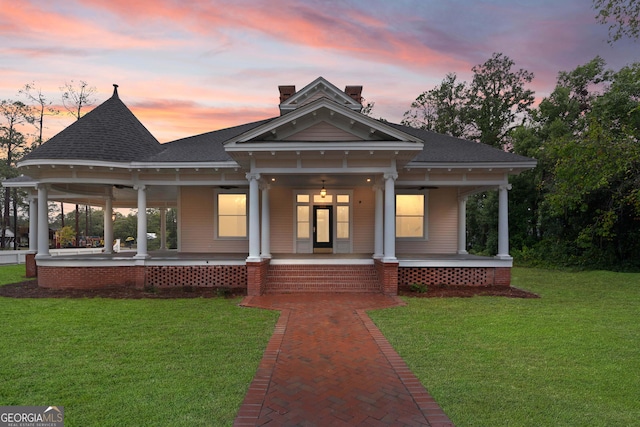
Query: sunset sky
{"points": [[188, 67]]}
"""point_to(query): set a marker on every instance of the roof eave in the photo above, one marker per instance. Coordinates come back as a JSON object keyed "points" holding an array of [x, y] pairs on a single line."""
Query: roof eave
{"points": [[52, 163], [519, 165]]}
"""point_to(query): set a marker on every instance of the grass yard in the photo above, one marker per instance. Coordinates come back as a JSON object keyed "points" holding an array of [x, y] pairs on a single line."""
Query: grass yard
{"points": [[570, 358], [181, 362]]}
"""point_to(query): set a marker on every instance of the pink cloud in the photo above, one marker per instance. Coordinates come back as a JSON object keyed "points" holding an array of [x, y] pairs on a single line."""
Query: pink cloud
{"points": [[337, 28], [173, 119], [67, 32]]}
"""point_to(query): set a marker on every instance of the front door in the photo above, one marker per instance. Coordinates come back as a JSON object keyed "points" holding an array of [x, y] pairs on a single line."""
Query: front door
{"points": [[322, 229]]}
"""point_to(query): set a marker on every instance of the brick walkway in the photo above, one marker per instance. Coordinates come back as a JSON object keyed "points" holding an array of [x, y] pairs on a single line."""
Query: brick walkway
{"points": [[327, 364]]}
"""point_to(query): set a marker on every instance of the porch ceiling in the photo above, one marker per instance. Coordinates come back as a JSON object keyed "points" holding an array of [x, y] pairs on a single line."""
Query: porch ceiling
{"points": [[317, 180], [123, 196]]}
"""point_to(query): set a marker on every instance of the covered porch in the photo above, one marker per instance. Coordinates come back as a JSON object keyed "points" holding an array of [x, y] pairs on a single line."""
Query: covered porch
{"points": [[355, 272]]}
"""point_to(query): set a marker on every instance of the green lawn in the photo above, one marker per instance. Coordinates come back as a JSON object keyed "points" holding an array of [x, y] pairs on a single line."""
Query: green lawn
{"points": [[570, 358], [183, 362]]}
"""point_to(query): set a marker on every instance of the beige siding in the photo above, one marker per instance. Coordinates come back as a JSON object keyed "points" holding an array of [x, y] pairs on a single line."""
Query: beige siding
{"points": [[363, 218], [442, 225], [281, 218], [197, 224], [323, 131]]}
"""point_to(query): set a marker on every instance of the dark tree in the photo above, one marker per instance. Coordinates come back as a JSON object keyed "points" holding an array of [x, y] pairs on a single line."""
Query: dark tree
{"points": [[622, 16]]}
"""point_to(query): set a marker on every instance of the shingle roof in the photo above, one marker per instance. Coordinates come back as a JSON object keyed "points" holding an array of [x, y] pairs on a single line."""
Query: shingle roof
{"points": [[439, 148], [110, 132], [202, 148]]}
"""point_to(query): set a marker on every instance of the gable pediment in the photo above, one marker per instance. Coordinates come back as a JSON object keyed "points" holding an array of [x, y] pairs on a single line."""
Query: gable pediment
{"points": [[323, 128], [323, 131], [321, 121], [319, 88]]}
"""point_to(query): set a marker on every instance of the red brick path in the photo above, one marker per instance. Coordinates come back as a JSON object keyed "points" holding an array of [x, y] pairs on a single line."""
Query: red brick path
{"points": [[327, 364]]}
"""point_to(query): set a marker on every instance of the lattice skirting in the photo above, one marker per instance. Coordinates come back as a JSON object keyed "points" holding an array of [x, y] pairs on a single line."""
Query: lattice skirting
{"points": [[453, 276], [233, 276]]}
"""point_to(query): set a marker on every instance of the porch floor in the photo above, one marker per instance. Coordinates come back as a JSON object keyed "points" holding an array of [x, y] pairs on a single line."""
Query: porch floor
{"points": [[279, 257]]}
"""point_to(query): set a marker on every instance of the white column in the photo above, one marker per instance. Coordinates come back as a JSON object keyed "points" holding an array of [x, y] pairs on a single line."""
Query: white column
{"points": [[33, 224], [108, 225], [142, 222], [503, 222], [462, 225], [163, 229], [390, 217], [43, 222], [378, 237], [254, 217], [266, 221]]}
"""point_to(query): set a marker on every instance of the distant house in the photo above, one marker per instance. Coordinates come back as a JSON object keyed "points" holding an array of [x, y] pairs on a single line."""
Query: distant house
{"points": [[317, 198]]}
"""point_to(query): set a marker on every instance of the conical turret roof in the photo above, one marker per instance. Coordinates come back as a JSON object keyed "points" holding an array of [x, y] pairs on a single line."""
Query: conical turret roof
{"points": [[110, 132]]}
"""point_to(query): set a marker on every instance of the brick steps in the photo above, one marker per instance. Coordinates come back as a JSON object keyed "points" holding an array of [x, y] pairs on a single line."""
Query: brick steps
{"points": [[322, 278]]}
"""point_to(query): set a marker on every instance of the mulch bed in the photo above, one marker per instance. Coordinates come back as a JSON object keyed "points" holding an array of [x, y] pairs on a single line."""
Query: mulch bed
{"points": [[30, 289], [469, 291]]}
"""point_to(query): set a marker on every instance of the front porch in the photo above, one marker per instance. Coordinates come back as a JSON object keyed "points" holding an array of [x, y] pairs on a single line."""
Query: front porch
{"points": [[280, 273]]}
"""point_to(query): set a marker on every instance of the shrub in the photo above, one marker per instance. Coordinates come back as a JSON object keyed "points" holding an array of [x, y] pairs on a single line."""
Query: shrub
{"points": [[419, 288]]}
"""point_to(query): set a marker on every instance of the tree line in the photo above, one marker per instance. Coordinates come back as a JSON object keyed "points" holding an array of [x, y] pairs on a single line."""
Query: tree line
{"points": [[16, 118], [125, 227], [581, 205]]}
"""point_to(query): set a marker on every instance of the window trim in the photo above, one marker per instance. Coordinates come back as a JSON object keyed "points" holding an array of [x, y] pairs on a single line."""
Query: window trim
{"points": [[425, 216], [216, 213]]}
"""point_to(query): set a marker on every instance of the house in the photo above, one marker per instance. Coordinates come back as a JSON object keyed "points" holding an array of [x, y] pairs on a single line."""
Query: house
{"points": [[318, 198]]}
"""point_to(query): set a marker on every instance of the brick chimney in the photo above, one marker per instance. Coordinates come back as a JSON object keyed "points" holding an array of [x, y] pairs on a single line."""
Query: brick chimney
{"points": [[286, 92], [354, 92]]}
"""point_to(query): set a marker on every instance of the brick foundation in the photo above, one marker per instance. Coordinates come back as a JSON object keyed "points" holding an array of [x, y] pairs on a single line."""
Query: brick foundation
{"points": [[502, 276], [257, 277], [30, 265], [388, 276], [90, 277]]}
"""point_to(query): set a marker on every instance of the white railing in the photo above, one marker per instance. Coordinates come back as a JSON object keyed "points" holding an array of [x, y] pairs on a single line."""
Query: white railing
{"points": [[12, 257], [75, 251], [18, 257]]}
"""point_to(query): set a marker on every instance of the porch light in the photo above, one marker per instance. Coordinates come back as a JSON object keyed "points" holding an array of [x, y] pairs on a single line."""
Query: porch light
{"points": [[323, 191]]}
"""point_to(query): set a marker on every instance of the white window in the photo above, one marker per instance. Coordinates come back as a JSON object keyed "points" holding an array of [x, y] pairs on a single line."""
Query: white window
{"points": [[318, 199], [232, 215], [342, 222], [410, 216], [303, 221], [342, 219]]}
